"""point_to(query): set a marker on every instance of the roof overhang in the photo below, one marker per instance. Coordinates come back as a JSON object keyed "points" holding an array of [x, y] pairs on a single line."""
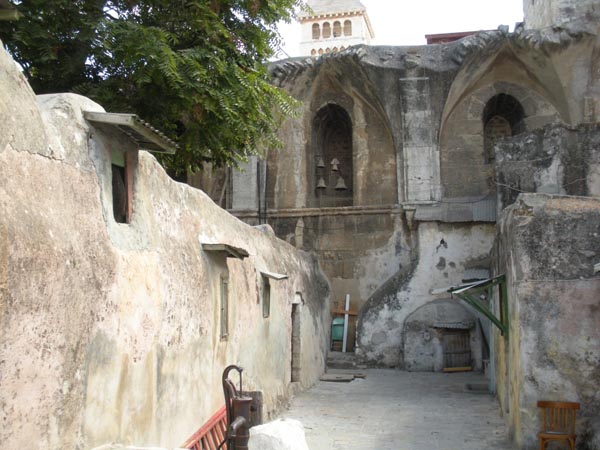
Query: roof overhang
{"points": [[8, 11], [273, 275], [145, 136], [229, 251]]}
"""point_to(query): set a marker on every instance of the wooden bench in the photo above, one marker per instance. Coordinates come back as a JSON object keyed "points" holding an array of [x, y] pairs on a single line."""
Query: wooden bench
{"points": [[211, 434]]}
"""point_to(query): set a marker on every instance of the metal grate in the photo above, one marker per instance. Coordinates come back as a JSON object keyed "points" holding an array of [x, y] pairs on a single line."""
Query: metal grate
{"points": [[457, 349]]}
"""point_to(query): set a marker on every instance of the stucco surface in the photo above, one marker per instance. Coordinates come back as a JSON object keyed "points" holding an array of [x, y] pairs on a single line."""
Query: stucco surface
{"points": [[444, 251], [110, 330], [549, 246], [553, 160]]}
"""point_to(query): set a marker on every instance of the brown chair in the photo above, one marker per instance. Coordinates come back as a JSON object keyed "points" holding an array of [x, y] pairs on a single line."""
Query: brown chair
{"points": [[558, 422]]}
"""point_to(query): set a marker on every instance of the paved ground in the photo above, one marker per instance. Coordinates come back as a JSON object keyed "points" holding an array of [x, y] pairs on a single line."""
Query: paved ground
{"points": [[394, 410]]}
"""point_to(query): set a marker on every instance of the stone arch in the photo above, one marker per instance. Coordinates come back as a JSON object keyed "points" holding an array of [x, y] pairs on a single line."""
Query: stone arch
{"points": [[462, 136], [426, 330], [326, 30], [332, 162], [525, 70], [372, 138]]}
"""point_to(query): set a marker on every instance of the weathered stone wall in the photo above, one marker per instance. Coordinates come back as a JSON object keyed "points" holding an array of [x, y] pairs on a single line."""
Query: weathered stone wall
{"points": [[444, 252], [547, 246], [547, 13], [418, 115], [553, 160], [110, 331]]}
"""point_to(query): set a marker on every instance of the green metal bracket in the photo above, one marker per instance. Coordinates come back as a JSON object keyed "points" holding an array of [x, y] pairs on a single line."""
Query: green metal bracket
{"points": [[467, 294]]}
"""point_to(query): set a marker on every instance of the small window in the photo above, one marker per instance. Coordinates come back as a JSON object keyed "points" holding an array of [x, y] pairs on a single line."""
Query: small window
{"points": [[335, 49], [327, 50], [313, 52], [224, 307], [122, 186], [266, 297], [337, 29], [326, 30], [320, 51], [316, 31], [348, 28]]}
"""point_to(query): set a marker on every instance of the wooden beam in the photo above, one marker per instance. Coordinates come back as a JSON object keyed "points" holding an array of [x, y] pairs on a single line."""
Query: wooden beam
{"points": [[457, 369], [350, 312]]}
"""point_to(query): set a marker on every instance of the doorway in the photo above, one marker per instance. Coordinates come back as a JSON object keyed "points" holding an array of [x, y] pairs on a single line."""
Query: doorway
{"points": [[296, 342], [457, 349]]}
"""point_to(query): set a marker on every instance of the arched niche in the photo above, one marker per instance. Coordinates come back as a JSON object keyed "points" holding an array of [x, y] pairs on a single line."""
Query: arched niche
{"points": [[503, 116], [467, 136], [331, 166], [441, 334]]}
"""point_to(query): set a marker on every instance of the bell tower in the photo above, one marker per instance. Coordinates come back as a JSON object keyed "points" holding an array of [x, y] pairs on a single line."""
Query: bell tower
{"points": [[334, 25]]}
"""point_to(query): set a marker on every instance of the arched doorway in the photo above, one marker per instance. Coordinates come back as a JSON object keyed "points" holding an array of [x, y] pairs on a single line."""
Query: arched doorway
{"points": [[440, 335]]}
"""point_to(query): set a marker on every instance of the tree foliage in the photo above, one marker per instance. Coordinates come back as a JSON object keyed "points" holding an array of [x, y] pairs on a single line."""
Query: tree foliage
{"points": [[193, 68]]}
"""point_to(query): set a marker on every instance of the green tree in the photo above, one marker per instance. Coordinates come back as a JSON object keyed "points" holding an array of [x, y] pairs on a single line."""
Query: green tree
{"points": [[193, 68]]}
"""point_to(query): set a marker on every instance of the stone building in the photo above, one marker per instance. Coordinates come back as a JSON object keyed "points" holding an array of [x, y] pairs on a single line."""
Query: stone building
{"points": [[399, 174], [123, 294], [334, 25], [413, 177]]}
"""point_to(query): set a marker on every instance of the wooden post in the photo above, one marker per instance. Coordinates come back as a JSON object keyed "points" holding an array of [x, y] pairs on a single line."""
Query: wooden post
{"points": [[346, 317]]}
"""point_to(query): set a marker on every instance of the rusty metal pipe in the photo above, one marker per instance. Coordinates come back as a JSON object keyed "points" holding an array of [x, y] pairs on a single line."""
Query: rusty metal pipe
{"points": [[240, 427], [238, 413]]}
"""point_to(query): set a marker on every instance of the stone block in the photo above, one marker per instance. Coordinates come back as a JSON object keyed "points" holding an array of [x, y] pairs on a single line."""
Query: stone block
{"points": [[283, 434]]}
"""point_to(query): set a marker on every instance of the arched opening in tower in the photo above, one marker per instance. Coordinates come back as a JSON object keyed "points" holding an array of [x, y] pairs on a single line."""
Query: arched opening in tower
{"points": [[332, 149]]}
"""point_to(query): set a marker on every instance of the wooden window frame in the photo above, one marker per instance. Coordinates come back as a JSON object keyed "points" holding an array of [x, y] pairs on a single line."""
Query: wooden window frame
{"points": [[224, 307], [126, 164], [266, 297]]}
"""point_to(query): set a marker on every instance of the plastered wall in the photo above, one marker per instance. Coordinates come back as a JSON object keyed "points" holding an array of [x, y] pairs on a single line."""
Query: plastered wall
{"points": [[110, 331], [547, 247]]}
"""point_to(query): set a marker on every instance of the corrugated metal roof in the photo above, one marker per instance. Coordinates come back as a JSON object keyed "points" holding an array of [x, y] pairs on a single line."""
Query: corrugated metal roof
{"points": [[228, 250], [273, 275], [142, 133], [481, 210], [322, 7], [8, 11], [476, 273], [485, 210]]}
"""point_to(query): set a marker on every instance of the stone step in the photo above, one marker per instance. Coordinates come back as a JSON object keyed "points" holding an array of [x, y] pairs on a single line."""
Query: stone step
{"points": [[339, 360]]}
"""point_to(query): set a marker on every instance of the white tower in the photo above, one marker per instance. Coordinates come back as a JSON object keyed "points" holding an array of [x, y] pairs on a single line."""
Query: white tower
{"points": [[334, 25]]}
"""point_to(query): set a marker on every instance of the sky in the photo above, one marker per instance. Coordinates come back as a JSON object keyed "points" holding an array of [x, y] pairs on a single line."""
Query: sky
{"points": [[406, 22]]}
